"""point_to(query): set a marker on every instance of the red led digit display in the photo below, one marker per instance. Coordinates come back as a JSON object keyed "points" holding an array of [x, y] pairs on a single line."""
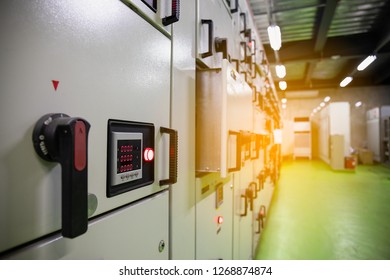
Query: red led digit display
{"points": [[128, 155]]}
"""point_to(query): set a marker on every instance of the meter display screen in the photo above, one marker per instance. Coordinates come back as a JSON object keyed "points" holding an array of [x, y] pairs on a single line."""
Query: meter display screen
{"points": [[128, 155]]}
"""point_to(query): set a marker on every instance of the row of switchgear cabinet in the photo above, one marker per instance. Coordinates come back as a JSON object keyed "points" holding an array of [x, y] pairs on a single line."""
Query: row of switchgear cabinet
{"points": [[237, 157], [117, 142]]}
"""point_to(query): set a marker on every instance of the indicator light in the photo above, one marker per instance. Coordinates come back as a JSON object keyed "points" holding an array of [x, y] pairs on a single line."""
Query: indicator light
{"points": [[219, 220], [148, 154]]}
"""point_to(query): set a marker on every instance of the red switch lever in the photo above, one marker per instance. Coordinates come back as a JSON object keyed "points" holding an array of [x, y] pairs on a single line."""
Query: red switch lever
{"points": [[80, 146], [62, 139]]}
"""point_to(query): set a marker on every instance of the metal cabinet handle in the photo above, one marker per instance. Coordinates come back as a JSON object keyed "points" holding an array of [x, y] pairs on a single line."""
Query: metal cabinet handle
{"points": [[243, 44], [175, 16], [210, 24], [245, 206], [254, 47], [260, 218], [261, 178], [254, 74], [253, 186], [173, 154], [243, 15], [221, 46], [259, 225], [60, 138], [238, 151], [235, 9], [249, 194]]}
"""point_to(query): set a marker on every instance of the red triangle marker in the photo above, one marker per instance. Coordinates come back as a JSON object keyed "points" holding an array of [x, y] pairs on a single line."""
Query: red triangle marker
{"points": [[55, 84]]}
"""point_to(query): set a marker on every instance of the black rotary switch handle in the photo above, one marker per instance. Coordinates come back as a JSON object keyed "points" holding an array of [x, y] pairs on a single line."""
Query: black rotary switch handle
{"points": [[63, 139]]}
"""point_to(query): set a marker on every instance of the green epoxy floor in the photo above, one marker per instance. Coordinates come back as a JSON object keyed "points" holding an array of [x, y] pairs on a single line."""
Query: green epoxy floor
{"points": [[320, 214]]}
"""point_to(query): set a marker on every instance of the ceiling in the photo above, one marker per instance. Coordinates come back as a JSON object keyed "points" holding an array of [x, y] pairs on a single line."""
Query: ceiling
{"points": [[323, 41]]}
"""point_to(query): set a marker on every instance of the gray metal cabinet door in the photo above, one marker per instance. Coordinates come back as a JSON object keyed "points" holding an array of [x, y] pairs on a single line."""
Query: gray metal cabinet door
{"points": [[97, 60], [139, 231]]}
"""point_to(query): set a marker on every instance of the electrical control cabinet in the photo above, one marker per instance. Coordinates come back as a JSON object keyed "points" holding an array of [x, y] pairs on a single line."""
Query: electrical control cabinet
{"points": [[214, 217], [214, 33], [222, 95], [377, 132], [97, 61]]}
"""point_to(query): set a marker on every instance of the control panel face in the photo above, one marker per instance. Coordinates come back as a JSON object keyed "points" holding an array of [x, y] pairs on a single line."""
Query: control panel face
{"points": [[127, 159], [130, 156]]}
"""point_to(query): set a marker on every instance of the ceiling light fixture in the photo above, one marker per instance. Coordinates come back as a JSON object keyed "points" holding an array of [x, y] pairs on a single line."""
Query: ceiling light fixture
{"points": [[326, 99], [275, 37], [282, 85], [280, 71], [358, 104], [284, 100], [346, 81], [369, 59]]}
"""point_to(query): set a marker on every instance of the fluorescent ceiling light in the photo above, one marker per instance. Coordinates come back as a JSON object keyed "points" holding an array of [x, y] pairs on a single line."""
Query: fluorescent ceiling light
{"points": [[282, 85], [275, 37], [346, 81], [280, 71], [326, 99], [369, 59]]}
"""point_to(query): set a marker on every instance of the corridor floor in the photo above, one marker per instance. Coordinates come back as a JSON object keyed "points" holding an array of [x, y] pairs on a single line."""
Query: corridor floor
{"points": [[320, 214]]}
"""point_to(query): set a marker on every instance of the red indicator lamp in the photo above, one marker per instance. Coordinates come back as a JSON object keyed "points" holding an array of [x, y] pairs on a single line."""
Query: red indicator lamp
{"points": [[219, 220], [148, 154]]}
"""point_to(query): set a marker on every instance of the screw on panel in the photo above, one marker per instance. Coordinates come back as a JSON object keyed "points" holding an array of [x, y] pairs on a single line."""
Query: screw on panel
{"points": [[161, 246]]}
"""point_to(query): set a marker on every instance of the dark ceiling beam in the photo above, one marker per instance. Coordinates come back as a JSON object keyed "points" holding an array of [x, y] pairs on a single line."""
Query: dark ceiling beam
{"points": [[385, 40], [382, 77], [382, 27], [325, 20]]}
